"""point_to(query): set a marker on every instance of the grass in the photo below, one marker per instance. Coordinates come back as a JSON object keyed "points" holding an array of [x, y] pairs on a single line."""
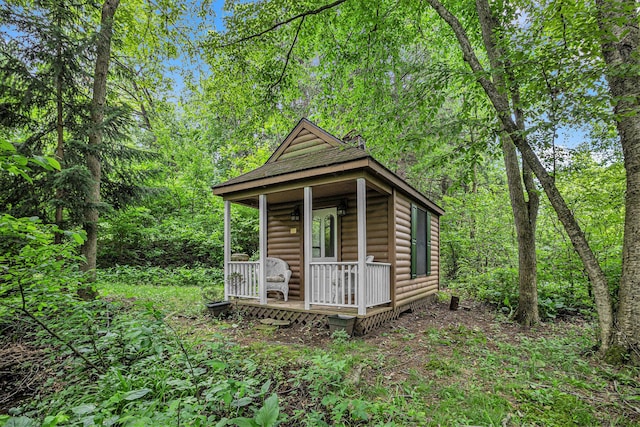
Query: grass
{"points": [[436, 374], [460, 379], [186, 300]]}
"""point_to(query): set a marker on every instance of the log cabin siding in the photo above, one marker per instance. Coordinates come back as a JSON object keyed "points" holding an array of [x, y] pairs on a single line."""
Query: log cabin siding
{"points": [[408, 289], [377, 223], [305, 143], [283, 244]]}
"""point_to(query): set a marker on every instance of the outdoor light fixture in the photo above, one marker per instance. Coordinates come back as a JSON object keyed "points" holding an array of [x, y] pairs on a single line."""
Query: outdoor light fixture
{"points": [[342, 208], [295, 214]]}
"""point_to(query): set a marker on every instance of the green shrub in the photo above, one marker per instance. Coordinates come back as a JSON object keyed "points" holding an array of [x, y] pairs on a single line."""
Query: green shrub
{"points": [[137, 236], [500, 287], [178, 276]]}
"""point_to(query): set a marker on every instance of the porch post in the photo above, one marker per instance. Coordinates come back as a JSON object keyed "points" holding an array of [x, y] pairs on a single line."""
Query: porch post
{"points": [[362, 244], [308, 221], [227, 246], [262, 276]]}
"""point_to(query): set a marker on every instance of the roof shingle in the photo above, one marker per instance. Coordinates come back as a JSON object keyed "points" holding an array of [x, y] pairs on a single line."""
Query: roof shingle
{"points": [[327, 157]]}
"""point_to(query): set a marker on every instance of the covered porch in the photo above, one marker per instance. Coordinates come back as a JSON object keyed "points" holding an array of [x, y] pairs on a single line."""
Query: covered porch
{"points": [[334, 267]]}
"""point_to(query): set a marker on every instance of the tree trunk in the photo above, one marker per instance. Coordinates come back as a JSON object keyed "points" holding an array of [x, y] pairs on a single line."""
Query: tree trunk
{"points": [[60, 142], [91, 215], [525, 212], [527, 312], [580, 244], [620, 40]]}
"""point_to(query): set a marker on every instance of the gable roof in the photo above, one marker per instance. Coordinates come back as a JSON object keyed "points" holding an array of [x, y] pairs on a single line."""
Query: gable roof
{"points": [[313, 150], [330, 156], [305, 137]]}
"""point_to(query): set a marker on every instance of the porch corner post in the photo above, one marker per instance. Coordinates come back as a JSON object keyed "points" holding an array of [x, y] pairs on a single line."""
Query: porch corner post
{"points": [[307, 230], [362, 245], [227, 246], [262, 275]]}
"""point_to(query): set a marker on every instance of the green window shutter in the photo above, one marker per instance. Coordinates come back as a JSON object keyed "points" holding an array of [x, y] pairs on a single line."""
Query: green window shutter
{"points": [[428, 243], [414, 241]]}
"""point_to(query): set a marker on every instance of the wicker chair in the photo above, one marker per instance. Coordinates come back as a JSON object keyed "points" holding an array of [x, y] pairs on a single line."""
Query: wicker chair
{"points": [[278, 275]]}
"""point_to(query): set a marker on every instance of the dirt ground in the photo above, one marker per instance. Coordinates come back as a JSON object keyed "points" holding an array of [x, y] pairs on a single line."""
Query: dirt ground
{"points": [[471, 315]]}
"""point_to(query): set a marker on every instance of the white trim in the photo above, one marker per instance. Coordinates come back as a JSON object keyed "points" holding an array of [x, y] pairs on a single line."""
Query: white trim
{"points": [[308, 219], [362, 244], [320, 213], [262, 273], [227, 245]]}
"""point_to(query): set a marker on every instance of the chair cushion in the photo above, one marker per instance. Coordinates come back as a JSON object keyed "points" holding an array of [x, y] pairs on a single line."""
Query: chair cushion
{"points": [[278, 278]]}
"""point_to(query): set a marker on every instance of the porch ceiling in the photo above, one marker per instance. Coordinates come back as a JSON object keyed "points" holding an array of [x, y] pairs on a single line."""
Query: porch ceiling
{"points": [[325, 191]]}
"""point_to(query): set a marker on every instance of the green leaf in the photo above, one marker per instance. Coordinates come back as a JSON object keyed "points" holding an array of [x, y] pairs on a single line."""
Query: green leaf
{"points": [[268, 414], [242, 422], [77, 237], [20, 422], [40, 161], [136, 394], [84, 409], [265, 387], [19, 160], [223, 422], [244, 401], [54, 163], [7, 146]]}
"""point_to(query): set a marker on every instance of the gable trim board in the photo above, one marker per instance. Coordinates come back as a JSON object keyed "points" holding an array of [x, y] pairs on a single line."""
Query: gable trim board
{"points": [[296, 137]]}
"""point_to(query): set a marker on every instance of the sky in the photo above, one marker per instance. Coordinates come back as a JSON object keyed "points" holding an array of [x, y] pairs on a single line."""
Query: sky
{"points": [[198, 26]]}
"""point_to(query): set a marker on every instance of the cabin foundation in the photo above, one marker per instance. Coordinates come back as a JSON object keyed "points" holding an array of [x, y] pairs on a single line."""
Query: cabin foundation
{"points": [[294, 312]]}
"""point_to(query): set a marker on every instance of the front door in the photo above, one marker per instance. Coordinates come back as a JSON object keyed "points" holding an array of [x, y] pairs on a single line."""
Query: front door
{"points": [[324, 249], [324, 240]]}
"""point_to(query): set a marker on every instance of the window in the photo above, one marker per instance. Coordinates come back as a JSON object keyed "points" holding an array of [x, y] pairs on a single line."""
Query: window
{"points": [[420, 242], [323, 236]]}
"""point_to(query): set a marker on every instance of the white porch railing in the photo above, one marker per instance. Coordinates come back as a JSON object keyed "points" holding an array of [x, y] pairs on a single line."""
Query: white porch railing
{"points": [[243, 279], [378, 283], [332, 283], [336, 283]]}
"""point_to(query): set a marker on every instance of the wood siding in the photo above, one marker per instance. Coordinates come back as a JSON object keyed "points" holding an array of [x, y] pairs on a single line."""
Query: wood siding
{"points": [[377, 226], [283, 244], [408, 289], [304, 143]]}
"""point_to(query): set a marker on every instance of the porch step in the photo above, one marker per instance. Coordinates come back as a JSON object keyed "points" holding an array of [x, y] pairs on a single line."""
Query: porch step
{"points": [[275, 322]]}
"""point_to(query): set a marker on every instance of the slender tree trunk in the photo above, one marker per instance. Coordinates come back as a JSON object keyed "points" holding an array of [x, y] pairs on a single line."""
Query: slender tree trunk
{"points": [[60, 142], [525, 212], [527, 312], [580, 244], [140, 95], [103, 53], [620, 40], [473, 226]]}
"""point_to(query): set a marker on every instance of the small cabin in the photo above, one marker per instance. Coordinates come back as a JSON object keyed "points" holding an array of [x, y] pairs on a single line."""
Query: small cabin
{"points": [[339, 232]]}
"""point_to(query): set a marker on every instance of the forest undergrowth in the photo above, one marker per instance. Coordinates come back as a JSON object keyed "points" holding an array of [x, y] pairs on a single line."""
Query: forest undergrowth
{"points": [[159, 360]]}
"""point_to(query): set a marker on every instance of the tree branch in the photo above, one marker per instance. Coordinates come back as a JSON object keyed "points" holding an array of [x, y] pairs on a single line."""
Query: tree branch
{"points": [[286, 62], [30, 315], [580, 244], [285, 22]]}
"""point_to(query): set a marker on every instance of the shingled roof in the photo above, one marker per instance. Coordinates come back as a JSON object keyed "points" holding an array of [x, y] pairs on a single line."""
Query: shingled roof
{"points": [[330, 156], [311, 149]]}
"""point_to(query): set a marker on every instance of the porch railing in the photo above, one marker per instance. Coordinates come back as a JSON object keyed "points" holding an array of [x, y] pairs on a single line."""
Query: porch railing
{"points": [[378, 283], [336, 283], [242, 280], [332, 283]]}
